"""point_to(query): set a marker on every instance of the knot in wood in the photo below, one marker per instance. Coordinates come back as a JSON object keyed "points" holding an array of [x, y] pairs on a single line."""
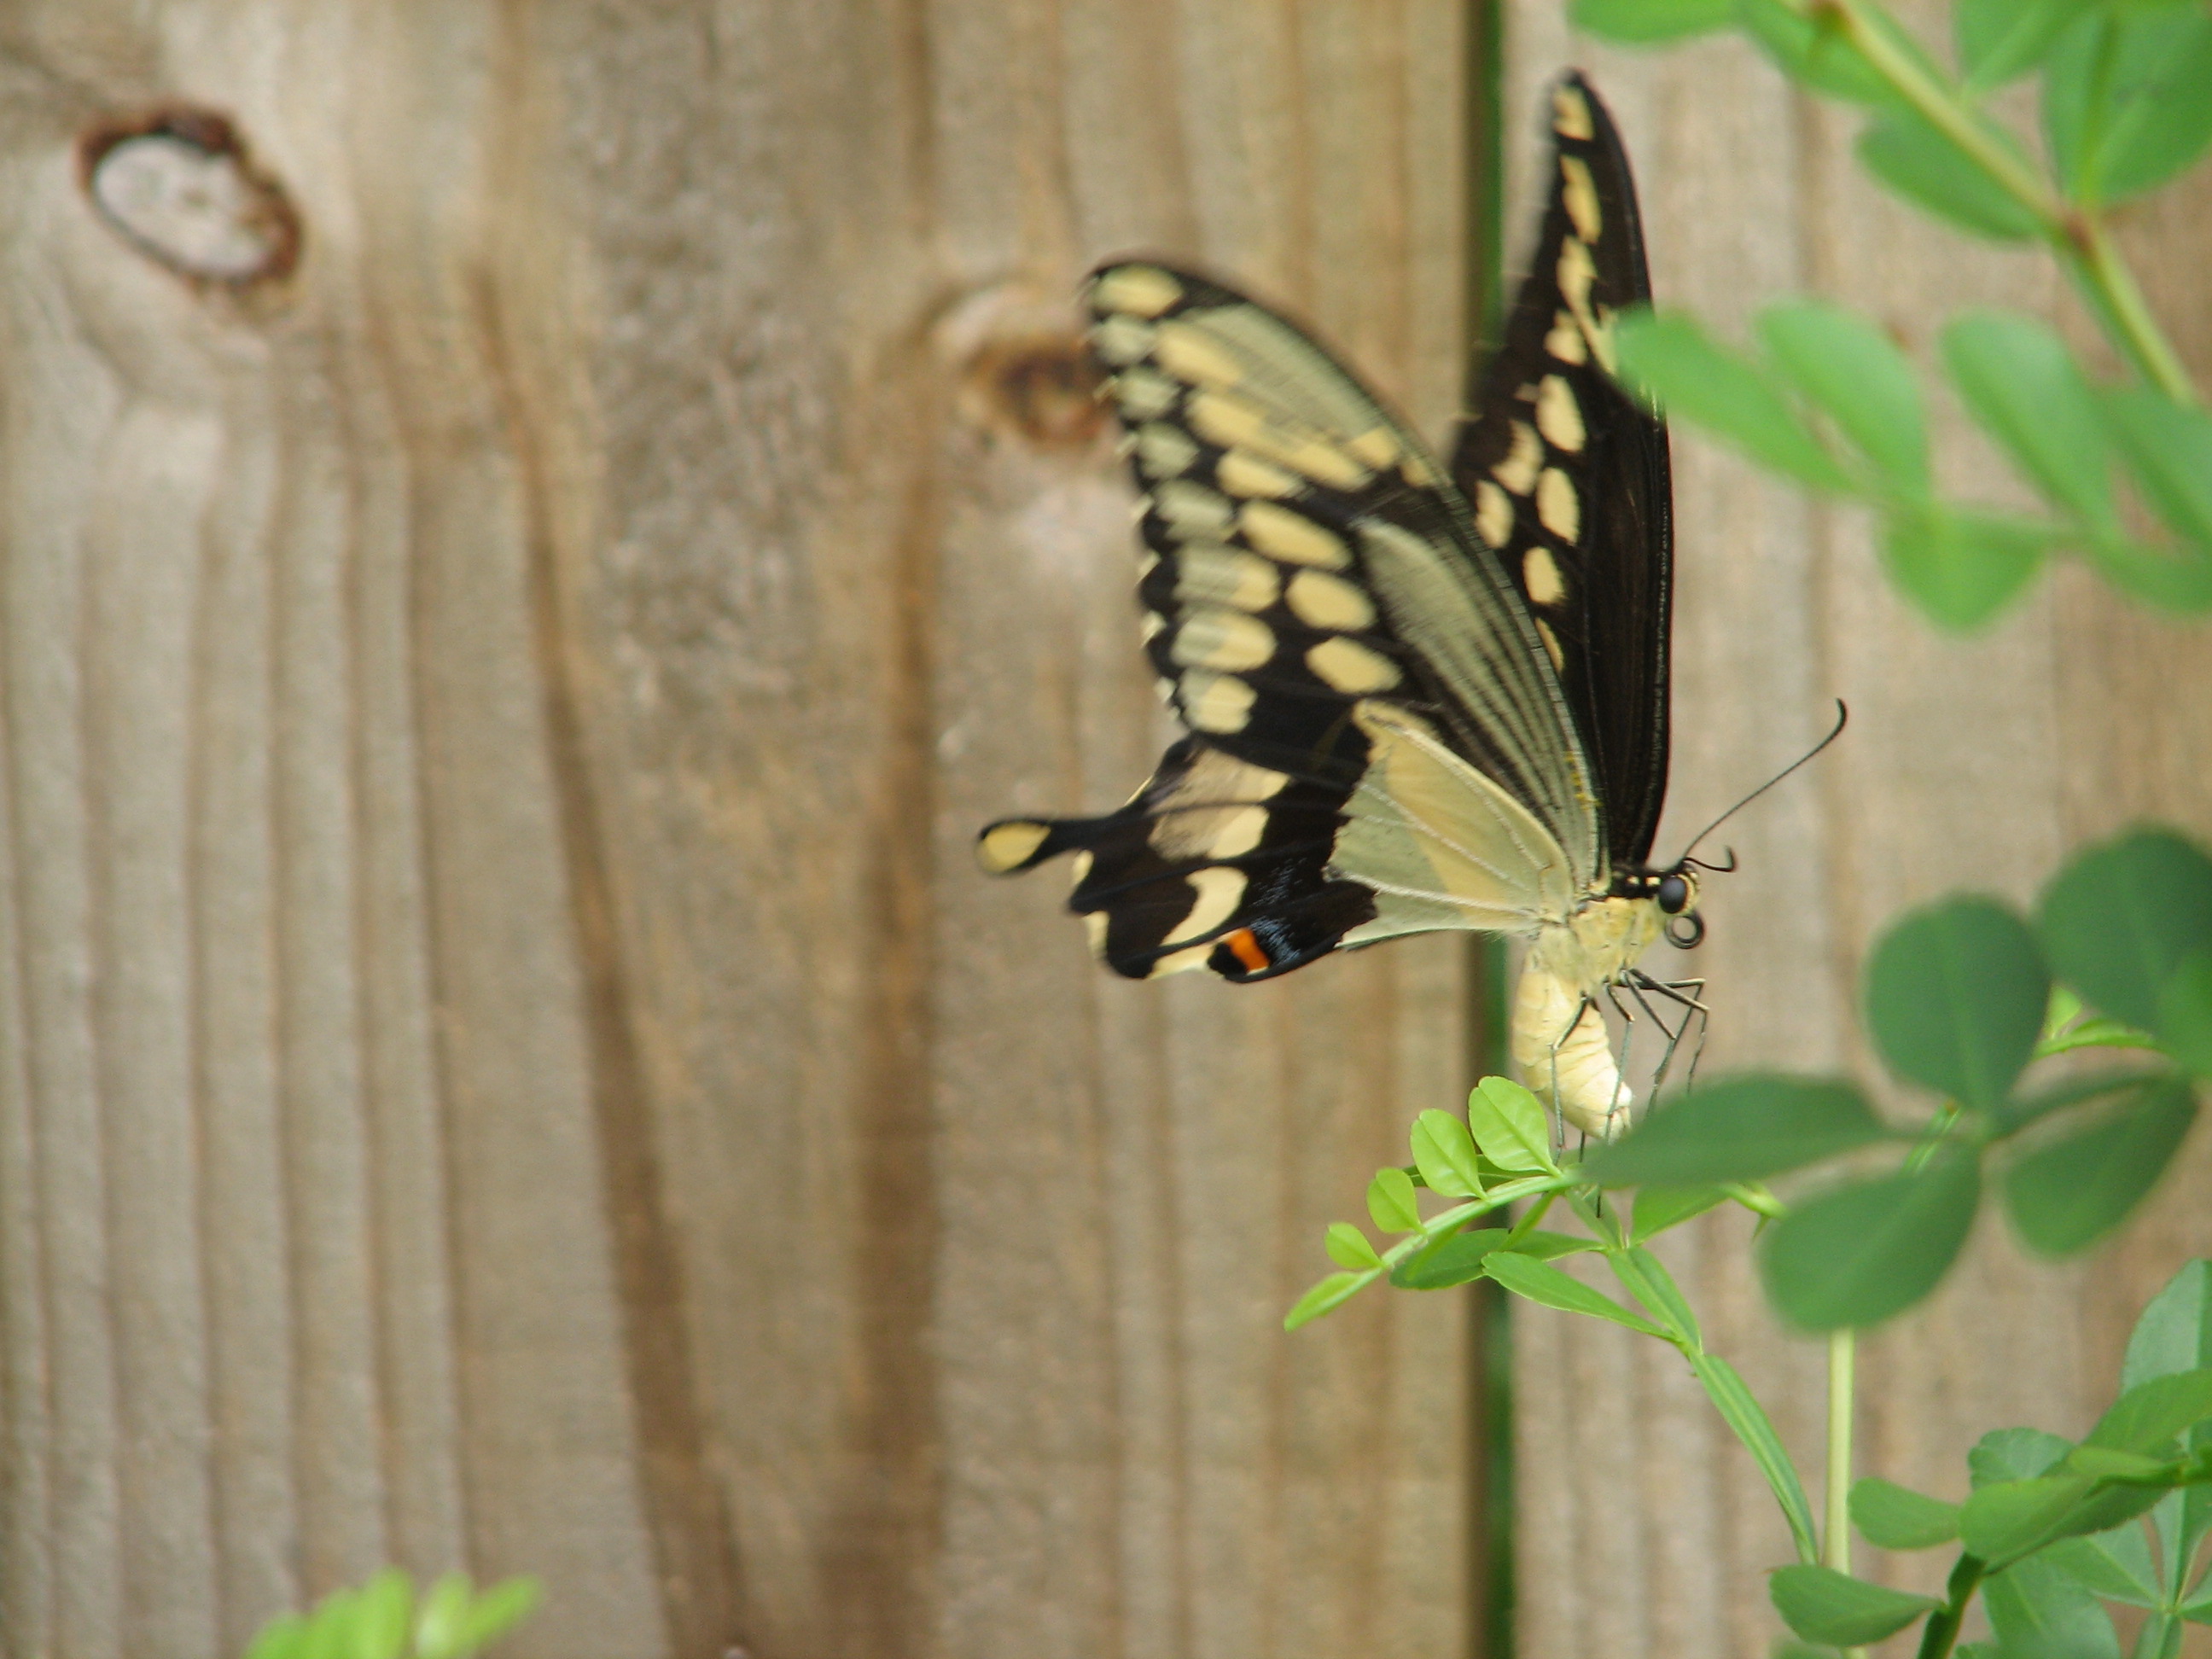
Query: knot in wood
{"points": [[1042, 386], [179, 185]]}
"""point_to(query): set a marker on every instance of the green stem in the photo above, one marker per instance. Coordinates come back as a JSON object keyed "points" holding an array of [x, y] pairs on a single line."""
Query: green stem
{"points": [[1836, 1533], [2078, 236], [2099, 266], [1836, 1541], [1942, 1631]]}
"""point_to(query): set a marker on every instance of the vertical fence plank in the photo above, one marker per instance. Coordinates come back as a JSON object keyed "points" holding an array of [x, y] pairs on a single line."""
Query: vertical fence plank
{"points": [[512, 1064]]}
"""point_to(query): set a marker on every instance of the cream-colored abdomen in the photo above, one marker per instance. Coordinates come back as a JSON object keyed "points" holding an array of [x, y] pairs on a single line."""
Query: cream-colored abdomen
{"points": [[1559, 1040]]}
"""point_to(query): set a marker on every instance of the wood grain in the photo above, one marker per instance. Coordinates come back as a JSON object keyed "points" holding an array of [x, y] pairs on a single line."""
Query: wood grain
{"points": [[1968, 764], [505, 1061]]}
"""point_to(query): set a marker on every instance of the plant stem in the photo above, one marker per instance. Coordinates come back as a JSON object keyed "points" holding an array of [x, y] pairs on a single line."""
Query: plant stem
{"points": [[2078, 236], [1836, 1541], [1942, 1631]]}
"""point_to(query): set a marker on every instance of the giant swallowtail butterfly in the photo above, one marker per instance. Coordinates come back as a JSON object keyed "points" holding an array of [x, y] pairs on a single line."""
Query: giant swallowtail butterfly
{"points": [[1415, 700]]}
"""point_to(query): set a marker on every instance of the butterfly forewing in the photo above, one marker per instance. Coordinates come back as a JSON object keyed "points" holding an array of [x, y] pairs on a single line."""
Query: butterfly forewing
{"points": [[1569, 479], [1379, 743]]}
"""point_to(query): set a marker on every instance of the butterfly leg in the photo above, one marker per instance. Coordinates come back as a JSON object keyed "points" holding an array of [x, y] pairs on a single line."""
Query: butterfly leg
{"points": [[1686, 994]]}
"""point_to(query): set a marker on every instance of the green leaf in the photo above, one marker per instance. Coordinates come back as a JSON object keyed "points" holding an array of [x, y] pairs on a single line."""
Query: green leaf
{"points": [[2039, 1612], [382, 1610], [2159, 1637], [2184, 1013], [1391, 1203], [498, 1611], [1755, 1429], [1833, 1608], [1541, 1282], [2154, 1412], [1444, 1153], [2168, 448], [1815, 51], [2119, 919], [2010, 1518], [1658, 1208], [2124, 105], [2114, 1565], [1326, 1297], [1743, 1129], [2000, 40], [1666, 356], [2096, 1034], [1847, 368], [444, 1616], [1859, 1254], [1644, 1277], [2013, 1455], [2176, 578], [1894, 1518], [2173, 1335], [1960, 568], [1928, 170], [1457, 1259], [1348, 1246], [2064, 1196], [2025, 1110], [1510, 1125], [1649, 22], [1955, 998], [285, 1637], [2022, 387]]}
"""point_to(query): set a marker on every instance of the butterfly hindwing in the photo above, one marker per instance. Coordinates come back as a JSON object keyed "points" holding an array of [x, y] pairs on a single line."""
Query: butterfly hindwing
{"points": [[1378, 744], [1569, 478]]}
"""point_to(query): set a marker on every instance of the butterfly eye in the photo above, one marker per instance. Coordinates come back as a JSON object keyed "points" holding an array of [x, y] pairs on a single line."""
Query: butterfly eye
{"points": [[1674, 893]]}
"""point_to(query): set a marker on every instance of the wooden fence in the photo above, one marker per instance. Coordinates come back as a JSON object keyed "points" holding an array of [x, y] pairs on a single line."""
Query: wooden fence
{"points": [[504, 1059]]}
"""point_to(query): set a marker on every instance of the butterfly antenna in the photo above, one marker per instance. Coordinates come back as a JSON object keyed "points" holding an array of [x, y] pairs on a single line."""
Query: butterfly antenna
{"points": [[1843, 719]]}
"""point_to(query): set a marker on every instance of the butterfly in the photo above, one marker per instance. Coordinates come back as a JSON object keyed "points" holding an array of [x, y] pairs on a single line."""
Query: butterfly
{"points": [[1415, 699]]}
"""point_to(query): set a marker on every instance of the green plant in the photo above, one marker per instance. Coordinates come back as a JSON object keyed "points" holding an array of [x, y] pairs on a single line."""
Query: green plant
{"points": [[384, 1620], [1833, 403], [1987, 1015]]}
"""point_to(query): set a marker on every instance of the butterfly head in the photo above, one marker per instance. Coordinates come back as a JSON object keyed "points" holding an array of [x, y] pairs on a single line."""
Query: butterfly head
{"points": [[1674, 891]]}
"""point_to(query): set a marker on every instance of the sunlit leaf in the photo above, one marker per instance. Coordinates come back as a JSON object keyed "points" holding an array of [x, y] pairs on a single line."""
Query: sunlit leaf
{"points": [[1348, 1246], [1856, 1256], [2176, 579], [2122, 915], [2155, 1411], [1391, 1203], [2023, 387], [1743, 1129], [1645, 1278], [1833, 1608], [1444, 1151], [1955, 998], [1329, 1294], [2007, 1518], [1843, 364], [1928, 170], [498, 1611], [1510, 1125], [1667, 356], [2064, 1196]]}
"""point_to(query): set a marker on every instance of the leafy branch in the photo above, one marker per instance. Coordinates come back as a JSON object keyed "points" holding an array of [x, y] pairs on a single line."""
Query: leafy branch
{"points": [[1834, 405]]}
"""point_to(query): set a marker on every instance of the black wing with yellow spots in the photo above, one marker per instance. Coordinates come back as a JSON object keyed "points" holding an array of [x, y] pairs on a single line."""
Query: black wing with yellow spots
{"points": [[1389, 713], [1569, 478]]}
